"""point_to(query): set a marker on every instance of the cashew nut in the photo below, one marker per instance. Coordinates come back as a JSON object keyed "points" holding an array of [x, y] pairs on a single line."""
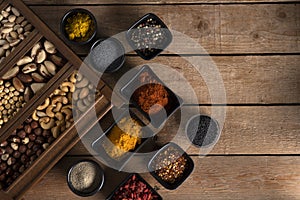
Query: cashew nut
{"points": [[61, 99], [68, 124], [59, 116], [34, 116], [60, 123], [81, 106], [44, 120], [58, 92], [44, 105], [86, 102], [84, 93], [69, 96], [73, 78], [41, 114], [58, 107], [55, 131], [84, 82], [47, 125], [78, 76], [67, 112], [49, 110], [76, 94], [64, 89], [69, 85], [62, 128], [68, 107]]}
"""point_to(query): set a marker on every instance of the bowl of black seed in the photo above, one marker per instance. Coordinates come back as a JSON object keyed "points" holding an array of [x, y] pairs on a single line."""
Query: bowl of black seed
{"points": [[149, 36], [202, 130], [107, 55], [85, 178]]}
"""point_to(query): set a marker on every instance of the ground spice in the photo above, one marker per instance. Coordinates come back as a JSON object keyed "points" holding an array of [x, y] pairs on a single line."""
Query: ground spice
{"points": [[124, 136], [83, 176], [79, 26], [151, 97]]}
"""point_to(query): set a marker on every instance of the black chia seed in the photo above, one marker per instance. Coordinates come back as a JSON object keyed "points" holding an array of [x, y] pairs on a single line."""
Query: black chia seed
{"points": [[202, 130], [105, 56]]}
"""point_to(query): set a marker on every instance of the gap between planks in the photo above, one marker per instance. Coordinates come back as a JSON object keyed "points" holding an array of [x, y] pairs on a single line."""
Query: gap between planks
{"points": [[153, 2]]}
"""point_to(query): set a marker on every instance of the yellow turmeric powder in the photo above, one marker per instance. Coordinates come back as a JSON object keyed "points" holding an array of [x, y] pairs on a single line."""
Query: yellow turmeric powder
{"points": [[124, 137], [79, 27]]}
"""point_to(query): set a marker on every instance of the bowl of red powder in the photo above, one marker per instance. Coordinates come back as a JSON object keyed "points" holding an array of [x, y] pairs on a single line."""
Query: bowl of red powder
{"points": [[151, 96]]}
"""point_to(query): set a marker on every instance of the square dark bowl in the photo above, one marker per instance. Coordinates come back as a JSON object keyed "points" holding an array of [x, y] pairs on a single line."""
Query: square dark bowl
{"points": [[174, 101], [139, 178], [187, 171], [119, 163], [141, 39]]}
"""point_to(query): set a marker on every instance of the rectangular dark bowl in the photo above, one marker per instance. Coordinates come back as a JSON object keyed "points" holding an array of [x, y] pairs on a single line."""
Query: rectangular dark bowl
{"points": [[138, 178], [186, 173], [156, 51], [174, 102], [98, 147]]}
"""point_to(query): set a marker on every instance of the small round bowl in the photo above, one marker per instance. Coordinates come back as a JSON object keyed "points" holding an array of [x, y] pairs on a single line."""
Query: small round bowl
{"points": [[211, 131], [97, 182], [111, 54], [92, 30]]}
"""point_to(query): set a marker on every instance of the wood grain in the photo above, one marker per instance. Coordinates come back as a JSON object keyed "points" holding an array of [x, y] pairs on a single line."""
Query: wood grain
{"points": [[247, 79], [247, 130], [138, 2], [220, 29], [221, 177]]}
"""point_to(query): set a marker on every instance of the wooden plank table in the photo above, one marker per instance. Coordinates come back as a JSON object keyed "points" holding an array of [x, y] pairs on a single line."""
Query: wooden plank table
{"points": [[256, 46]]}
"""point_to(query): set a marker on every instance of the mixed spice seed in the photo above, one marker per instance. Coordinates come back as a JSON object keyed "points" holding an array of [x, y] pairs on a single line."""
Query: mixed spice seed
{"points": [[149, 37], [170, 165]]}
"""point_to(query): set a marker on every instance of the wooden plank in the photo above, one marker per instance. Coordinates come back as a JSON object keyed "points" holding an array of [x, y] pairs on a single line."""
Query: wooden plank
{"points": [[247, 130], [138, 2], [221, 177], [247, 79], [220, 29]]}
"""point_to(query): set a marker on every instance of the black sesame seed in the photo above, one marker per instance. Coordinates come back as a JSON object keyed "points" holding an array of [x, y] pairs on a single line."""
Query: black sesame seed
{"points": [[202, 130]]}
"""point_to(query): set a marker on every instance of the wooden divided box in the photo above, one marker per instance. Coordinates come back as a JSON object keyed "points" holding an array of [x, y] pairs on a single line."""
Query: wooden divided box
{"points": [[47, 97]]}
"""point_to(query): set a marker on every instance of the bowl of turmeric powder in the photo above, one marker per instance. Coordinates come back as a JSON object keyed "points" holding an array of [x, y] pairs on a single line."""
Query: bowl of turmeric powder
{"points": [[78, 26], [126, 136]]}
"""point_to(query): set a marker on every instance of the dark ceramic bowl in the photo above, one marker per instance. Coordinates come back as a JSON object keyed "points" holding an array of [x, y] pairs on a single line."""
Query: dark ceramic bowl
{"points": [[109, 57], [119, 163], [98, 184], [135, 35], [91, 33], [139, 178], [202, 130], [174, 101], [188, 170]]}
